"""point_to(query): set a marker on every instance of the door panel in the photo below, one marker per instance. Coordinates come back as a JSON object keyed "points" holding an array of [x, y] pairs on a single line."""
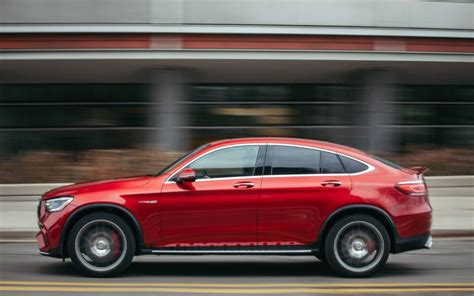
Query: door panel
{"points": [[221, 212], [220, 208], [293, 208], [297, 194]]}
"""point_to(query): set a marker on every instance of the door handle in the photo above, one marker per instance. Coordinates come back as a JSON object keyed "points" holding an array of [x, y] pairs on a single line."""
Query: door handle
{"points": [[331, 183], [245, 184]]}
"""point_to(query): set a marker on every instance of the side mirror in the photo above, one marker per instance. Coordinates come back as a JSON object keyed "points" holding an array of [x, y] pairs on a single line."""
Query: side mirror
{"points": [[186, 175]]}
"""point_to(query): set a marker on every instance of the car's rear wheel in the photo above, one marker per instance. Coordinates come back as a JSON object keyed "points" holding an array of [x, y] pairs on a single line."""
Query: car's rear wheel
{"points": [[101, 244], [357, 246]]}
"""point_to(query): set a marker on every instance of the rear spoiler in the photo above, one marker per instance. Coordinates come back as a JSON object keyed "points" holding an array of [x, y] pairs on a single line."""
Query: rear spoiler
{"points": [[420, 170]]}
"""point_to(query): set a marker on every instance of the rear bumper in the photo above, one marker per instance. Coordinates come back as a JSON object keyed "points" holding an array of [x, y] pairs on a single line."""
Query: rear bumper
{"points": [[413, 243]]}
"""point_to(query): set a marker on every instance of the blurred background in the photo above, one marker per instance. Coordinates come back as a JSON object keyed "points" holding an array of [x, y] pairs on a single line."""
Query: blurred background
{"points": [[97, 89]]}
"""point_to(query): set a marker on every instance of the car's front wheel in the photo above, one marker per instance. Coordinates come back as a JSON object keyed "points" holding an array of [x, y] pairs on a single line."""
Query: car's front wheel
{"points": [[101, 244], [357, 246]]}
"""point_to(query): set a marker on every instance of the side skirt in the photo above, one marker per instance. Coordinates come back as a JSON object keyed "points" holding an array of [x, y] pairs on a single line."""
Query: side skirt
{"points": [[286, 251]]}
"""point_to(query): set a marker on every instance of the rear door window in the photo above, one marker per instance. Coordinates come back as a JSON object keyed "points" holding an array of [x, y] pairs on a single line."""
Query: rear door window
{"points": [[288, 160], [330, 164]]}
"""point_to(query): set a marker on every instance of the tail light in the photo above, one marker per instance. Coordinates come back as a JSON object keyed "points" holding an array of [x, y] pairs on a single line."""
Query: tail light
{"points": [[412, 188]]}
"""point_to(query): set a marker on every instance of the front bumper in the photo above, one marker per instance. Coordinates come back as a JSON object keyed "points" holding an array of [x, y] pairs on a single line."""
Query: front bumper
{"points": [[413, 243], [50, 226], [44, 248], [55, 253]]}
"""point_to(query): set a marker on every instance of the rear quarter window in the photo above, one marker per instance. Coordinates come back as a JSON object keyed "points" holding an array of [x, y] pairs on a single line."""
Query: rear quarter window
{"points": [[353, 166]]}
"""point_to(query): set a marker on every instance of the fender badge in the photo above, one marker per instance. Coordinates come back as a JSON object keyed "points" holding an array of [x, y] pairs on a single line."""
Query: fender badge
{"points": [[147, 201]]}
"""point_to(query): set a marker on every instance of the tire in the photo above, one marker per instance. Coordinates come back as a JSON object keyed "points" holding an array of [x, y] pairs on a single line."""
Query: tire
{"points": [[357, 246], [101, 245]]}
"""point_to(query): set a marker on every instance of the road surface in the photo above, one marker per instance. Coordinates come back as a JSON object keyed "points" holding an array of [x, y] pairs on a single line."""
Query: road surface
{"points": [[447, 269]]}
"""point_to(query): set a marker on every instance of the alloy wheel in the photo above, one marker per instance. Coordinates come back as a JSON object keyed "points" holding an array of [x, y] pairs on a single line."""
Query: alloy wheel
{"points": [[100, 245], [358, 246]]}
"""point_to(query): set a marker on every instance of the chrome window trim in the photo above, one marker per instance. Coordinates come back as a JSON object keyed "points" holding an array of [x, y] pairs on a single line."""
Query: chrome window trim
{"points": [[226, 178], [304, 175], [369, 167]]}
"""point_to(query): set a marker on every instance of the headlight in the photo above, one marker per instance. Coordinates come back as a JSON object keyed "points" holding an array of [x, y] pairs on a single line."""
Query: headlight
{"points": [[57, 204]]}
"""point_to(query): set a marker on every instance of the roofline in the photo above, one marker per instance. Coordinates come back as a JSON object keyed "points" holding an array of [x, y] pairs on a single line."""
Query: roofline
{"points": [[288, 140]]}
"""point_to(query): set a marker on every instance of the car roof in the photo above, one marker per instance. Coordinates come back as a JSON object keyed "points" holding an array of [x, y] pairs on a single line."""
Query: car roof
{"points": [[292, 141]]}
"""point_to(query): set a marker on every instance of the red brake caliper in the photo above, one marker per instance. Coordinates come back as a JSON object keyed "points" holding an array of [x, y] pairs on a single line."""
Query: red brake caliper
{"points": [[115, 243], [371, 246]]}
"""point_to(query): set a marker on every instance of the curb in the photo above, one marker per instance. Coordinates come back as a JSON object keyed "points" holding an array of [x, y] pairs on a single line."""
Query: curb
{"points": [[452, 233]]}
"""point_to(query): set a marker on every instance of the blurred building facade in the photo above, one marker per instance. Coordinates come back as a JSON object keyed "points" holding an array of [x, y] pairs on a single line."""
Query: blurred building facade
{"points": [[384, 76]]}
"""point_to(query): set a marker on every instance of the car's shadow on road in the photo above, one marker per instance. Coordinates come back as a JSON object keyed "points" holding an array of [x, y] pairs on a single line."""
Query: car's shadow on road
{"points": [[224, 268], [227, 269]]}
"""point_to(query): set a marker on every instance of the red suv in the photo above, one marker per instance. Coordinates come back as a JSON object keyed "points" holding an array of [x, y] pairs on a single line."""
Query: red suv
{"points": [[257, 196]]}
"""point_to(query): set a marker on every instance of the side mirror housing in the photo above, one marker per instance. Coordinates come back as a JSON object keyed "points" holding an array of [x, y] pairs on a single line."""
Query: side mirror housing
{"points": [[186, 175]]}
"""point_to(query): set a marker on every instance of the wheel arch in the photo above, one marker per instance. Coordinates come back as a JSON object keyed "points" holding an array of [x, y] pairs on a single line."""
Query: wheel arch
{"points": [[376, 212], [120, 211]]}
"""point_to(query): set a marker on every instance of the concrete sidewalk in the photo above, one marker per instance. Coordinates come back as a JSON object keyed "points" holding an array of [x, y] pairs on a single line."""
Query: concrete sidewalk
{"points": [[452, 199]]}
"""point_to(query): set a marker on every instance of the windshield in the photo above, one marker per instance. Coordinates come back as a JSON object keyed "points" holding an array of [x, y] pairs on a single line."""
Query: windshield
{"points": [[177, 161]]}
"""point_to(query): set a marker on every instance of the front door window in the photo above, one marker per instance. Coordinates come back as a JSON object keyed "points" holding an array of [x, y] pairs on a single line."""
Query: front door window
{"points": [[228, 162]]}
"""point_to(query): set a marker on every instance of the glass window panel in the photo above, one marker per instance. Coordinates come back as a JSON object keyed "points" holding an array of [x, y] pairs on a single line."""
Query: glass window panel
{"points": [[229, 162], [330, 164], [74, 116], [91, 92], [294, 161], [352, 166]]}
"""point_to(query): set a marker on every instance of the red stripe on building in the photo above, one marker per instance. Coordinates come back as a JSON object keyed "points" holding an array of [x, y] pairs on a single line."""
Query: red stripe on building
{"points": [[228, 41], [74, 41]]}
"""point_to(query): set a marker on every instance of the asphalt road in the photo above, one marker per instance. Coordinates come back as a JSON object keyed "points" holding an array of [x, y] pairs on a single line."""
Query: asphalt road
{"points": [[447, 269]]}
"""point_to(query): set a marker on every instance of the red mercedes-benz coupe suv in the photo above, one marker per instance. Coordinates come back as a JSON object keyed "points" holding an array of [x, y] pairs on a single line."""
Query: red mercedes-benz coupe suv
{"points": [[259, 196]]}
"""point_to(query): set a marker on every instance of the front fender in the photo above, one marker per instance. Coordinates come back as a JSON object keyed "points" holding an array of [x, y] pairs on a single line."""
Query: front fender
{"points": [[95, 207]]}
